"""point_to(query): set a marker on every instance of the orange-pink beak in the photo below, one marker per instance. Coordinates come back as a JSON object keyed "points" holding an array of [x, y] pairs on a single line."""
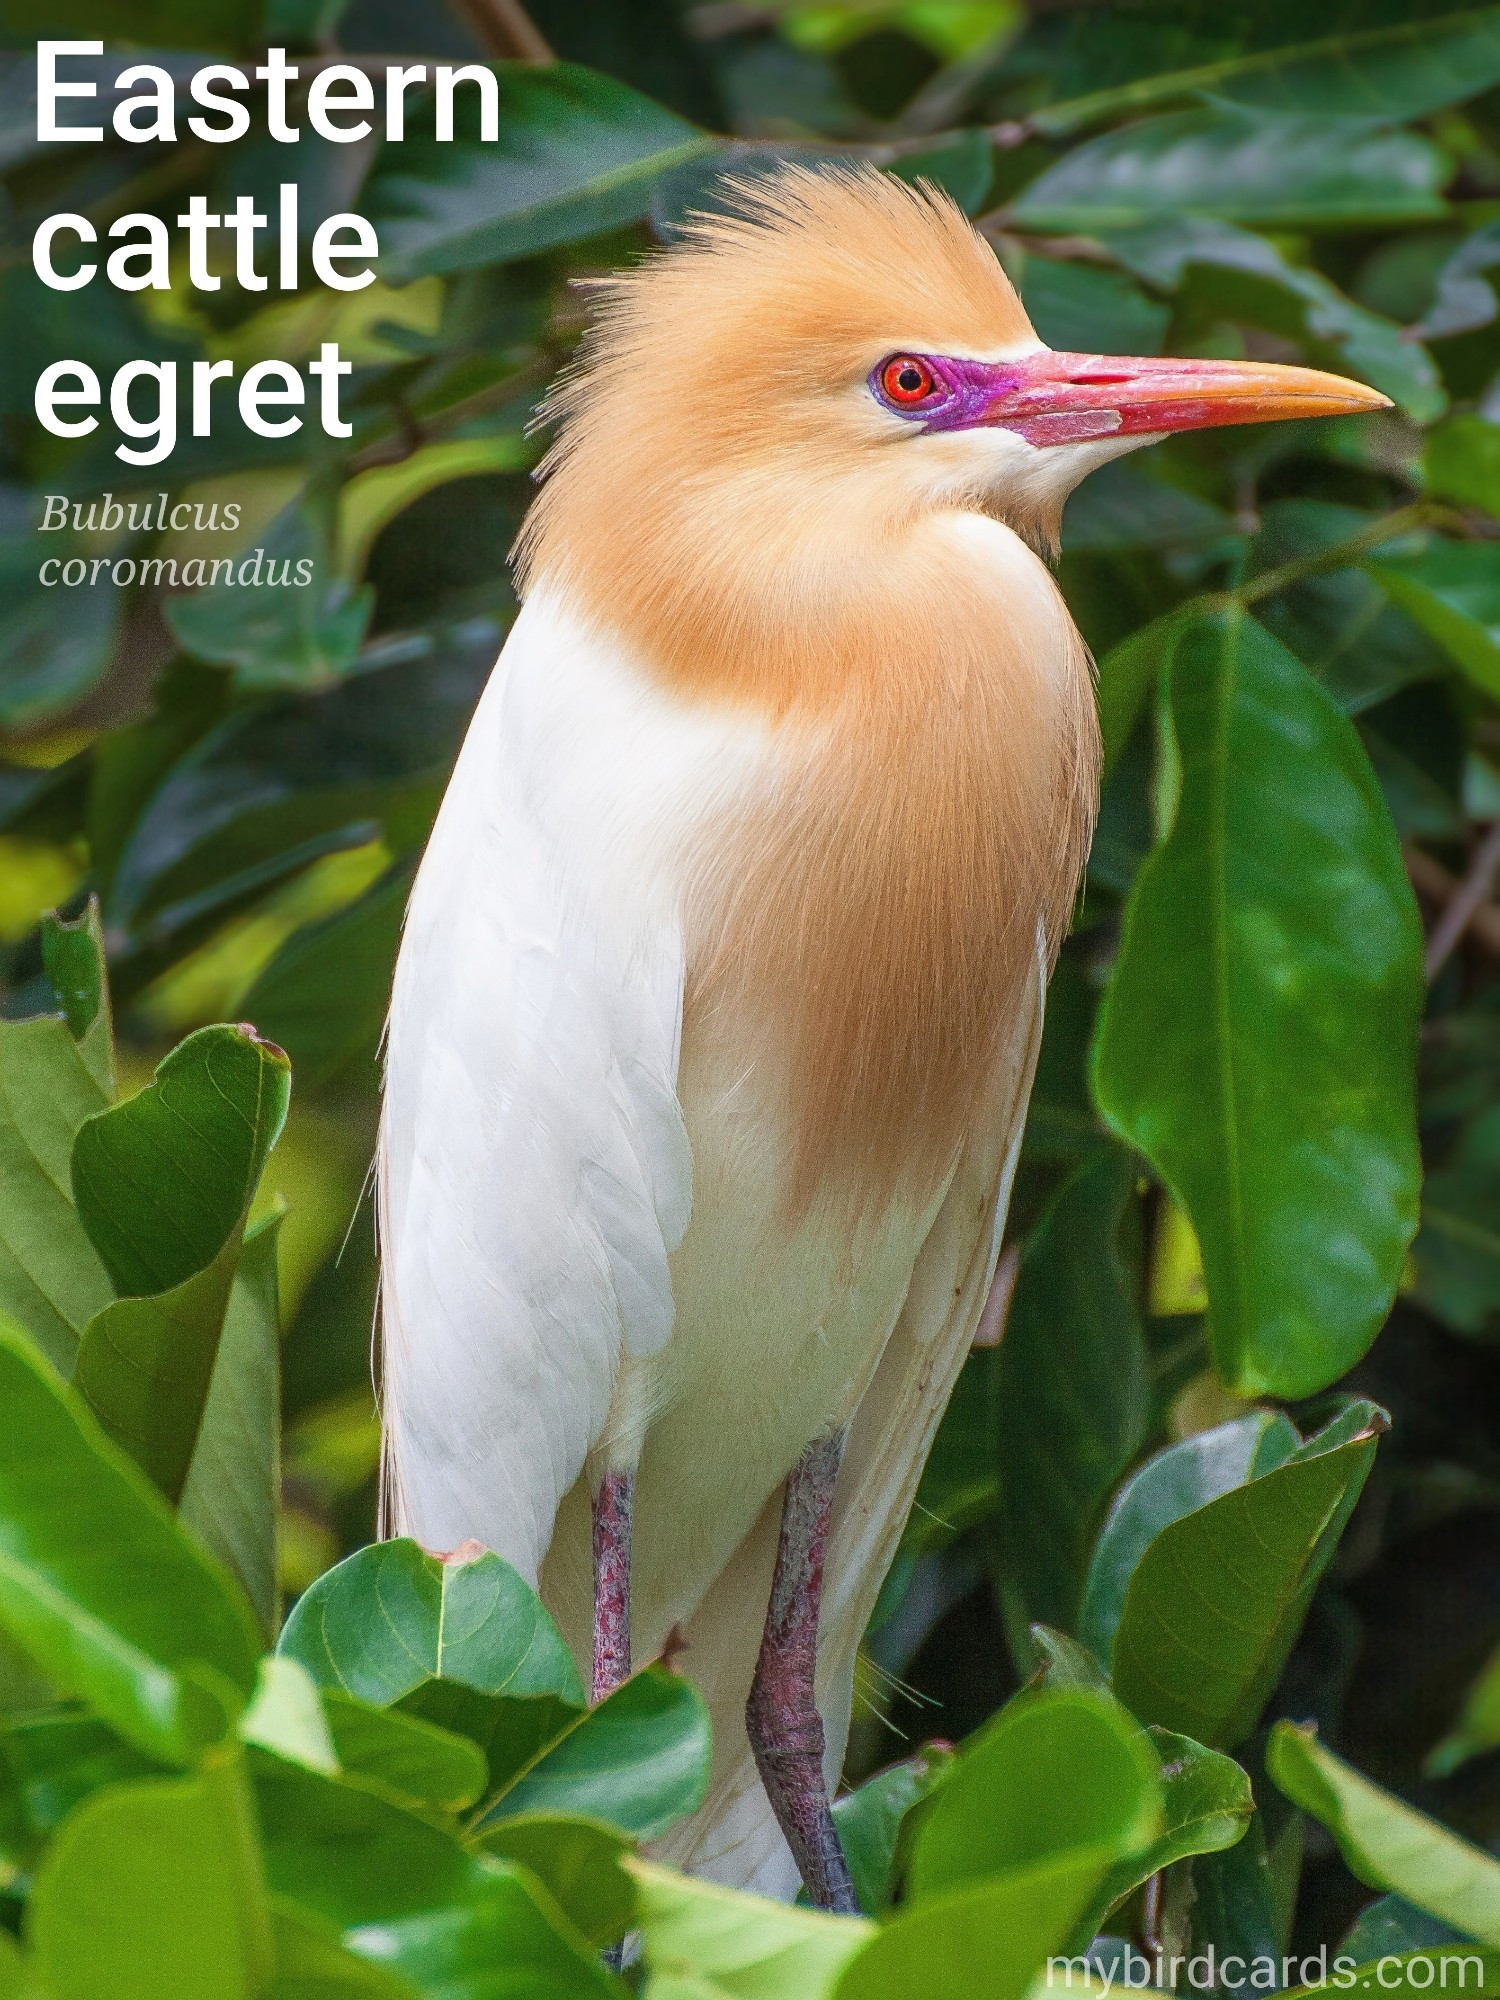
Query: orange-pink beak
{"points": [[1053, 398]]}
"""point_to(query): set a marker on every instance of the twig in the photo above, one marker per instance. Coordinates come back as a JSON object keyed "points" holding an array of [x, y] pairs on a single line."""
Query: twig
{"points": [[1469, 897], [504, 29], [1432, 880]]}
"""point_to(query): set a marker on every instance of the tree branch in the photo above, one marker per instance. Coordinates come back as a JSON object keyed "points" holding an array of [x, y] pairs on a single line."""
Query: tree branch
{"points": [[1467, 902]]}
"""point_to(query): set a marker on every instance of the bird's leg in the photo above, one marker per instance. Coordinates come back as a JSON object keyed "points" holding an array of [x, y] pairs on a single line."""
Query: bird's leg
{"points": [[613, 1506], [781, 1716]]}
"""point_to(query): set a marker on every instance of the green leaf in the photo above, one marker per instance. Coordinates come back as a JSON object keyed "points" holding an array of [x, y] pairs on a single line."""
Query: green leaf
{"points": [[1391, 1924], [158, 1880], [870, 1820], [1206, 1798], [701, 1942], [988, 1941], [1207, 1805], [163, 1183], [412, 1758], [1238, 275], [164, 1179], [51, 1080], [233, 1486], [1241, 166], [1053, 1774], [1256, 1041], [167, 24], [1387, 1844], [50, 1761], [1175, 1482], [1389, 70], [1453, 592], [98, 1583], [1071, 1396], [286, 1716], [1338, 621], [312, 1963], [73, 958], [282, 617], [1085, 309], [578, 1862], [1215, 1603], [56, 644], [391, 1618], [1478, 1726], [1461, 460], [577, 153], [323, 997], [414, 1899], [639, 1760], [371, 500]]}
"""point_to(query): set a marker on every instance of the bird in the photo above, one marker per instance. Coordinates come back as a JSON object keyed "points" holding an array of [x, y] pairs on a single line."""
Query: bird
{"points": [[721, 983]]}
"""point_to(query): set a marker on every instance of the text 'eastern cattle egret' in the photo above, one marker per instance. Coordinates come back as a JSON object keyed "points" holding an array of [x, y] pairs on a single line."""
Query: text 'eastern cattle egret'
{"points": [[721, 988]]}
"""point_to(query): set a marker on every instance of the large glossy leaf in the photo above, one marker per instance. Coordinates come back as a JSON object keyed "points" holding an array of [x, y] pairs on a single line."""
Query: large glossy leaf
{"points": [[1256, 1040], [98, 1583], [55, 1071], [323, 997], [1175, 1482], [577, 153], [988, 1941], [159, 1880], [414, 1759], [312, 1963], [1388, 1844], [1054, 1774], [702, 1942], [247, 802], [1237, 274], [50, 1761], [1338, 621], [1452, 591], [870, 1819], [1378, 69], [579, 1862], [283, 617], [418, 1902], [1216, 1601], [390, 1618], [163, 1183], [1461, 459], [56, 644], [640, 1759], [233, 1485], [1071, 1396], [1239, 165], [1206, 1807]]}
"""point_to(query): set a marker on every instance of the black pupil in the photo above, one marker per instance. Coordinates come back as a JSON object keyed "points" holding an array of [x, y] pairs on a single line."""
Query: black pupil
{"points": [[910, 378]]}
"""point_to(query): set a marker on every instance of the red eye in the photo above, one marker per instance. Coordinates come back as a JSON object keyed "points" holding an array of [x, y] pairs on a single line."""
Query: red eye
{"points": [[905, 379]]}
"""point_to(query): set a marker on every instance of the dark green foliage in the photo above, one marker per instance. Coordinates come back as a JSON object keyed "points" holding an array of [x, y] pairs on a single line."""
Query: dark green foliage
{"points": [[1258, 1205]]}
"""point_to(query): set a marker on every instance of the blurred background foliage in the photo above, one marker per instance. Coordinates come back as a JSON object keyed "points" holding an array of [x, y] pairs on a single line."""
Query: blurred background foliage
{"points": [[245, 777]]}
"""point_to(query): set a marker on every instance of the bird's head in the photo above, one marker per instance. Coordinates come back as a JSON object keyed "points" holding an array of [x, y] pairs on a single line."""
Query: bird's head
{"points": [[839, 353]]}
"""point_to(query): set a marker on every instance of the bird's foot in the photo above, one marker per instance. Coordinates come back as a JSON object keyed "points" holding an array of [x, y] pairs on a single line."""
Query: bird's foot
{"points": [[781, 1716]]}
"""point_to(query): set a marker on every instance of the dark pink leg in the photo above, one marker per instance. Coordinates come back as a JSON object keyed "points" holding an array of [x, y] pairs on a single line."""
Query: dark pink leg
{"points": [[612, 1512], [785, 1728]]}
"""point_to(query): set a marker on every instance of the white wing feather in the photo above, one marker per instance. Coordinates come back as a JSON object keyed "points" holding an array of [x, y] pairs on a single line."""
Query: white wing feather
{"points": [[535, 1172]]}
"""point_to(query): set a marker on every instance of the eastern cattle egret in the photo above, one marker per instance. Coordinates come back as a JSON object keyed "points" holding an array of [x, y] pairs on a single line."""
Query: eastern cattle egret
{"points": [[721, 987]]}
